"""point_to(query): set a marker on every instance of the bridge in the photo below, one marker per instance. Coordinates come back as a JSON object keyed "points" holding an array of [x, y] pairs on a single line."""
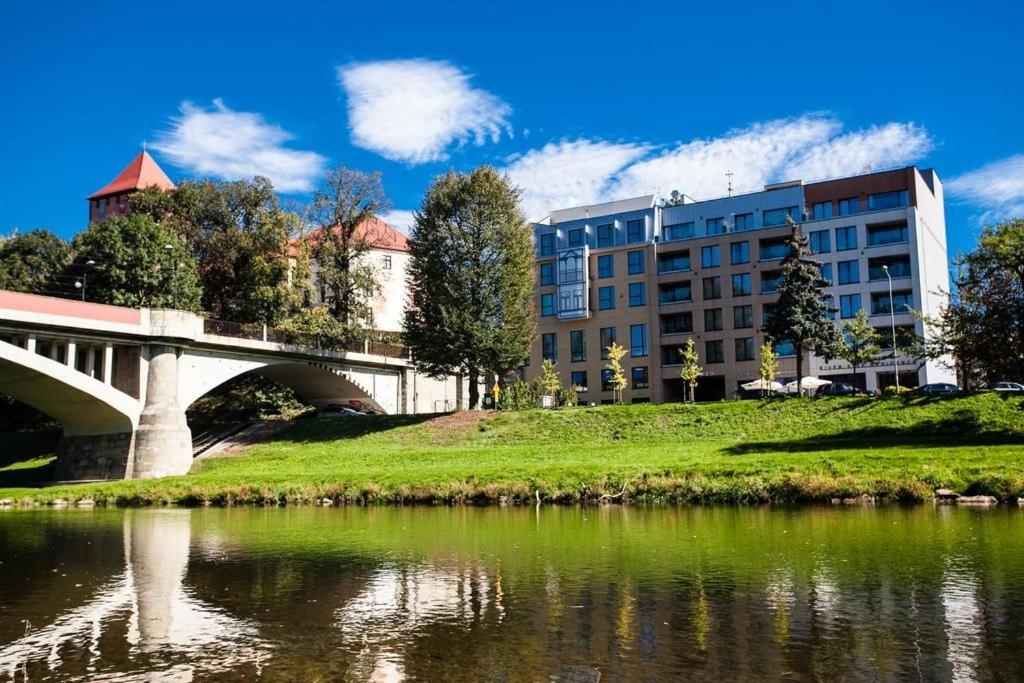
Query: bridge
{"points": [[119, 380]]}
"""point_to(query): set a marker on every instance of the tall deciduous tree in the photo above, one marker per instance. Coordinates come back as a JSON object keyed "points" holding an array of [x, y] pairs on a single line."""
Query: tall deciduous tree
{"points": [[859, 342], [342, 211], [139, 262], [614, 368], [33, 262], [471, 279], [802, 315], [239, 234], [769, 368], [982, 326], [690, 369]]}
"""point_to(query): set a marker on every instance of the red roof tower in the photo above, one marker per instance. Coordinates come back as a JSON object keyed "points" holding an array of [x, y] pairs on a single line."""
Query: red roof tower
{"points": [[112, 199]]}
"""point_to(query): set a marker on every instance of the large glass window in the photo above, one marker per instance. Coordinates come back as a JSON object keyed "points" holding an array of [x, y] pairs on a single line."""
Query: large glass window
{"points": [[712, 319], [887, 234], [714, 352], [745, 348], [849, 206], [742, 317], [899, 266], [822, 210], [549, 346], [678, 231], [784, 348], [605, 235], [849, 272], [638, 341], [710, 256], [902, 302], [606, 265], [677, 323], [668, 263], [849, 304], [637, 294], [547, 305], [741, 284], [570, 267], [674, 293], [607, 339], [606, 380], [819, 242], [635, 231], [547, 244], [743, 221], [887, 200], [713, 287], [846, 238], [774, 249], [579, 380], [714, 226], [606, 298], [639, 377], [577, 346], [635, 261], [770, 281], [576, 237], [547, 274], [739, 252], [779, 216]]}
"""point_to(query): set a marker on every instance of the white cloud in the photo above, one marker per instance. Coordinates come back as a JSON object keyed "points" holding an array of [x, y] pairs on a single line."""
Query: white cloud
{"points": [[569, 173], [230, 145], [402, 219], [998, 188], [413, 110], [809, 147]]}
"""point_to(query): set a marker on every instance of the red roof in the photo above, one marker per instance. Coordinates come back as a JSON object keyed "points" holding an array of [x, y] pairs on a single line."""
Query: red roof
{"points": [[142, 172], [376, 233]]}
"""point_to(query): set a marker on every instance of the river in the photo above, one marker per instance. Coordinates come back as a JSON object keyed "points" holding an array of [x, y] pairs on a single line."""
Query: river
{"points": [[509, 594]]}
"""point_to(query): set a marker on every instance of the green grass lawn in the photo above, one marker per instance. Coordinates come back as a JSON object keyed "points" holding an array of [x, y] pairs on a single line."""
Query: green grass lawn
{"points": [[749, 451]]}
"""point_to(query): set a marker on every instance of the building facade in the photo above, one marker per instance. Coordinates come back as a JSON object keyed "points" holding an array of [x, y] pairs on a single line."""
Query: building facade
{"points": [[651, 275]]}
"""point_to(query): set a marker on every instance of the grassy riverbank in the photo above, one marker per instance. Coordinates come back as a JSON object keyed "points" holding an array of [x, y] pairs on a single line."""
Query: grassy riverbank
{"points": [[784, 451]]}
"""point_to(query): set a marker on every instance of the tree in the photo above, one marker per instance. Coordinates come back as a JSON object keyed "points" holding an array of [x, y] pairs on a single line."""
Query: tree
{"points": [[314, 326], [343, 210], [550, 382], [859, 342], [801, 315], [769, 368], [690, 369], [471, 279], [139, 263], [33, 262], [240, 236], [614, 367], [982, 325]]}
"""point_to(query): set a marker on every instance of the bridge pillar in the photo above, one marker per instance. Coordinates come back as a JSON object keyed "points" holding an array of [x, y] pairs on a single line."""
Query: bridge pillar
{"points": [[163, 441]]}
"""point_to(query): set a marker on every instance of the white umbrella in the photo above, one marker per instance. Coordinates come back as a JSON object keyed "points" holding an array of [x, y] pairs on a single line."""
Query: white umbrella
{"points": [[806, 384], [761, 385]]}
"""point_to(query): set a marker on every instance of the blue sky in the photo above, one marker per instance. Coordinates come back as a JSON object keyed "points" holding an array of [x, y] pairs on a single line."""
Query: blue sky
{"points": [[578, 103]]}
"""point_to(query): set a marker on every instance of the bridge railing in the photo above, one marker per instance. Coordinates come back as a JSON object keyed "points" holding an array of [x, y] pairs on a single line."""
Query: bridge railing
{"points": [[225, 328]]}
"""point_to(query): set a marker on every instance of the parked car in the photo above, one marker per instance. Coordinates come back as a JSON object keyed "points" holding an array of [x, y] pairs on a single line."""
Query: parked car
{"points": [[339, 410], [838, 389], [937, 389], [1011, 387]]}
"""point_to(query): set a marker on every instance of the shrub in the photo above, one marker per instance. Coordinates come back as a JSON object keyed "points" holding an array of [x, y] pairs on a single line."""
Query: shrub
{"points": [[566, 397], [518, 396]]}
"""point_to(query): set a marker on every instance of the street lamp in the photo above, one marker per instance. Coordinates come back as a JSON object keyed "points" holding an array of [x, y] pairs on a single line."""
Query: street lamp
{"points": [[892, 322], [80, 284]]}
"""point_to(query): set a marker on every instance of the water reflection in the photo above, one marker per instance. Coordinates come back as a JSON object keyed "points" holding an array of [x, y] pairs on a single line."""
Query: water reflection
{"points": [[571, 594]]}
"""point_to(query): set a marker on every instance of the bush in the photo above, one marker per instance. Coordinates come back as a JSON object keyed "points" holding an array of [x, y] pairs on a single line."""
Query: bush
{"points": [[892, 390], [518, 396], [566, 397]]}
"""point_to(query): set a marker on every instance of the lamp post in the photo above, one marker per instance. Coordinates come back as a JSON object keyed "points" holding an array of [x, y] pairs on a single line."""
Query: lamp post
{"points": [[892, 322], [80, 284]]}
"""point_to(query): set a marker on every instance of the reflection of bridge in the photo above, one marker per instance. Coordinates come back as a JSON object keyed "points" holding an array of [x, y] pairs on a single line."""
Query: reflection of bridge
{"points": [[120, 379]]}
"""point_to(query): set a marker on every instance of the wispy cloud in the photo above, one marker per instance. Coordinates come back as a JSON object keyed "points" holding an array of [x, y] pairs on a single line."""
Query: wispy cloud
{"points": [[415, 110], [997, 188], [808, 147], [230, 145], [402, 219]]}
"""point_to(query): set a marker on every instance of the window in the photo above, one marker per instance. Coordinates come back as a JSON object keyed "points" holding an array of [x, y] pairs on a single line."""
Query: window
{"points": [[905, 337], [607, 339], [570, 299], [637, 294], [770, 282], [547, 305], [576, 237], [606, 265], [674, 293], [678, 231], [887, 200], [635, 261], [579, 380], [713, 287], [767, 311], [742, 317], [635, 231], [606, 298], [710, 257], [826, 272], [846, 238], [902, 302], [549, 346], [849, 304], [887, 234], [745, 348], [822, 210], [570, 267], [819, 242], [640, 378], [547, 244], [714, 352], [741, 284], [899, 266], [830, 304], [712, 319], [779, 216], [606, 380], [784, 348], [387, 263], [849, 272], [638, 341], [677, 323], [774, 249], [547, 274], [739, 252], [670, 263], [849, 206], [672, 355], [714, 226], [605, 235], [577, 346], [743, 221]]}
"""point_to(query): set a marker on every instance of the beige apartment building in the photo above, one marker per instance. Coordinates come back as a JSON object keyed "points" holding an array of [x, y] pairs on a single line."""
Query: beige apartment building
{"points": [[651, 274]]}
